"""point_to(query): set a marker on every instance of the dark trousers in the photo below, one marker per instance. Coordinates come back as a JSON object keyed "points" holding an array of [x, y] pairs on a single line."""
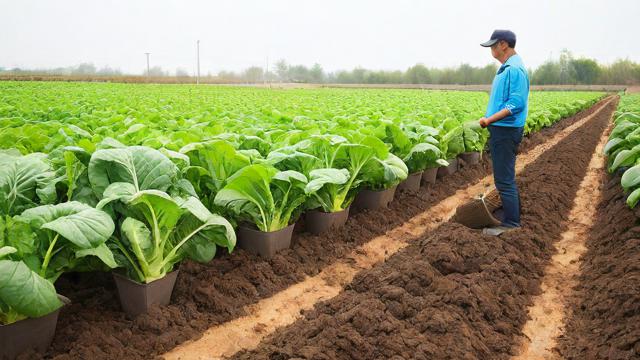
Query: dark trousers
{"points": [[503, 144]]}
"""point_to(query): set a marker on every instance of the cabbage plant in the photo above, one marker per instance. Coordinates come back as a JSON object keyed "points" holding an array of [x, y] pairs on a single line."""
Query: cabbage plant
{"points": [[161, 220], [23, 293], [210, 165], [623, 147], [70, 236], [25, 181], [264, 196]]}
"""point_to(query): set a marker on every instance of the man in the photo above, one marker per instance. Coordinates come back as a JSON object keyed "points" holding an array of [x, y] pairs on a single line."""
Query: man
{"points": [[505, 117]]}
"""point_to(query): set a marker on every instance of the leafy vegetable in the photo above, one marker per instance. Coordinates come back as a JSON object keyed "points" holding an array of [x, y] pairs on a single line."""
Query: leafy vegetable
{"points": [[424, 156], [383, 174], [211, 164], [67, 234], [475, 138], [25, 181], [328, 189], [623, 147], [162, 222], [264, 196], [23, 293]]}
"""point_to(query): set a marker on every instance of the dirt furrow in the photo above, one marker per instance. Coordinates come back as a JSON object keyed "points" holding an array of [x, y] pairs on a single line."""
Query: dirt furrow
{"points": [[603, 320], [549, 308], [455, 293]]}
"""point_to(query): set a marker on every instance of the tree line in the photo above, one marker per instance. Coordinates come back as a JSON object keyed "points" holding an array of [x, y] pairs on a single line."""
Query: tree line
{"points": [[565, 70]]}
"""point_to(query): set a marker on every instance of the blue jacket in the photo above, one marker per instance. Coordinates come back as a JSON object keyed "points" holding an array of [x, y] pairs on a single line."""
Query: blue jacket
{"points": [[510, 90]]}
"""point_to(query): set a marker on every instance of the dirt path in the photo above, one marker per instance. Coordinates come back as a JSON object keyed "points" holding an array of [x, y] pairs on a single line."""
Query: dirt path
{"points": [[286, 307], [454, 293], [549, 308]]}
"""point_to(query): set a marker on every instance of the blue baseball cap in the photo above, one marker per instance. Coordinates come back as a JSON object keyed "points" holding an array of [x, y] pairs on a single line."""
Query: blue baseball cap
{"points": [[506, 35]]}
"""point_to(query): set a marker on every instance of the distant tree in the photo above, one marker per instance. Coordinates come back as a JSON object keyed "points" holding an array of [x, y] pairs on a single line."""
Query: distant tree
{"points": [[418, 74], [84, 69], [253, 74], [282, 70], [623, 72], [375, 77], [547, 74], [395, 77], [567, 71], [344, 77], [299, 73], [109, 71], [271, 76], [316, 73], [157, 71], [447, 76], [586, 71], [358, 74], [487, 74], [228, 76], [181, 72], [465, 74]]}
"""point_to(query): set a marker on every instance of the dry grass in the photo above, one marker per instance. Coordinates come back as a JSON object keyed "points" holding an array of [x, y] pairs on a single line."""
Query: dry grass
{"points": [[221, 81]]}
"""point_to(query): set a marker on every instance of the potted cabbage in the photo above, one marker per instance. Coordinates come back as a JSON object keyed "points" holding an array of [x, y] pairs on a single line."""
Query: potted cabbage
{"points": [[36, 247], [267, 202], [381, 178], [475, 139], [451, 145], [29, 307], [425, 156], [161, 222], [332, 166]]}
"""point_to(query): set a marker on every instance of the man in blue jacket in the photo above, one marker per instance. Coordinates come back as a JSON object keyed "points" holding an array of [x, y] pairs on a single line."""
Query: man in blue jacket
{"points": [[505, 117]]}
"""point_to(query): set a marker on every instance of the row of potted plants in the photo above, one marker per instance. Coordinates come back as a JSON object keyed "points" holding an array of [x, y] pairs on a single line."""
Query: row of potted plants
{"points": [[318, 221], [135, 211]]}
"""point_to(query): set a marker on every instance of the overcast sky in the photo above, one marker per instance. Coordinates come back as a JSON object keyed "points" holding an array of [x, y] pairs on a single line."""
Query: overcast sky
{"points": [[338, 34]]}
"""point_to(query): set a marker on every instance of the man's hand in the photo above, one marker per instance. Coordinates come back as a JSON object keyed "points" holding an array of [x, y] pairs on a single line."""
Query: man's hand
{"points": [[484, 122]]}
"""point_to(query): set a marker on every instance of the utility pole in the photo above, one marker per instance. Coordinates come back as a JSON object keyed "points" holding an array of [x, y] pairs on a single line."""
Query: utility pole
{"points": [[266, 72], [148, 72], [198, 50]]}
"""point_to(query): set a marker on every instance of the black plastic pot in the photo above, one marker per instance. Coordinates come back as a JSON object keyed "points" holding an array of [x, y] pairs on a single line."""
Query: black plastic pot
{"points": [[470, 158], [136, 298], [34, 334], [429, 176], [318, 222], [265, 244], [411, 184], [370, 199], [448, 170]]}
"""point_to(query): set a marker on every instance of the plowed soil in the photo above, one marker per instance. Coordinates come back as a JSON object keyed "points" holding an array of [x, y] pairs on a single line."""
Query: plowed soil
{"points": [[456, 293], [604, 322], [93, 327]]}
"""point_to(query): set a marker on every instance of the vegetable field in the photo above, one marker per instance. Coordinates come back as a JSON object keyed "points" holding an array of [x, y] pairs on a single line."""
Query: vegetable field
{"points": [[206, 222]]}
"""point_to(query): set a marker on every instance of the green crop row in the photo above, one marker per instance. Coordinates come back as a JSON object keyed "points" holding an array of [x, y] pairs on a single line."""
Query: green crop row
{"points": [[623, 148]]}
